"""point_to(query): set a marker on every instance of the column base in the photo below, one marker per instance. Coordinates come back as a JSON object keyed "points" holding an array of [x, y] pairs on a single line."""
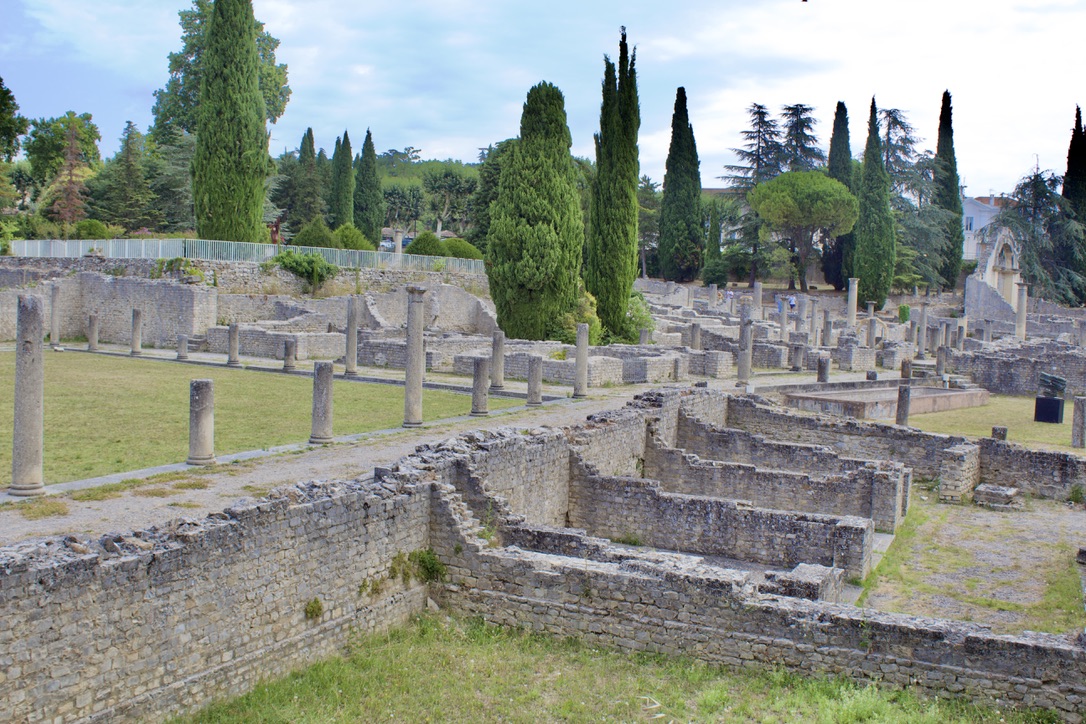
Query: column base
{"points": [[201, 461], [26, 491], [534, 404], [411, 424], [350, 373], [182, 356], [479, 414], [580, 396], [291, 368], [497, 388], [135, 353], [320, 441], [233, 364]]}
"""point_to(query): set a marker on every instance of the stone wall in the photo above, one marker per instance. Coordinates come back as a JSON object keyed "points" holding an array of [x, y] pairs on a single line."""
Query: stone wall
{"points": [[134, 628], [260, 342], [1010, 372], [601, 370], [1042, 473]]}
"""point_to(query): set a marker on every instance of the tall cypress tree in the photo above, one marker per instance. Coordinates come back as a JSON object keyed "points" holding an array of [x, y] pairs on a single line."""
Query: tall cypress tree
{"points": [[948, 195], [342, 207], [875, 253], [612, 233], [681, 232], [837, 253], [231, 160], [536, 225], [369, 202], [307, 197], [1074, 181]]}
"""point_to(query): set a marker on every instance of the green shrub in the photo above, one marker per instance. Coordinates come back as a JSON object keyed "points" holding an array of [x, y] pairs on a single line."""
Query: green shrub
{"points": [[311, 266], [426, 244], [92, 229], [5, 248], [903, 312], [638, 317], [565, 329], [1077, 496], [350, 237], [314, 609], [32, 226], [316, 233], [428, 568], [461, 249]]}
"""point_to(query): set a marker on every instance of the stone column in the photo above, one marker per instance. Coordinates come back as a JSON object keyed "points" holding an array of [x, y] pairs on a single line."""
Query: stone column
{"points": [[1020, 315], [232, 347], [182, 346], [870, 309], [137, 332], [758, 300], [497, 361], [695, 336], [416, 357], [944, 333], [910, 334], [535, 381], [827, 329], [795, 354], [782, 322], [904, 396], [201, 422], [813, 323], [1080, 333], [872, 330], [940, 361], [350, 357], [906, 369], [801, 316], [480, 380], [712, 296], [823, 368], [644, 336], [922, 333], [1078, 424], [986, 332], [580, 380], [963, 332], [290, 352], [27, 439], [850, 309], [54, 316], [746, 332], [92, 333], [322, 404]]}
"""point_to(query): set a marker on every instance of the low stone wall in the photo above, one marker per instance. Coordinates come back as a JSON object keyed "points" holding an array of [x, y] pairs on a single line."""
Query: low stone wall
{"points": [[260, 342], [601, 370], [1005, 372], [137, 627], [1041, 473]]}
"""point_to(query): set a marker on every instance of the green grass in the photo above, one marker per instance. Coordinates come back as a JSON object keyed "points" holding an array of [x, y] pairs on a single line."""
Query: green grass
{"points": [[107, 414], [1016, 413], [39, 508], [439, 669]]}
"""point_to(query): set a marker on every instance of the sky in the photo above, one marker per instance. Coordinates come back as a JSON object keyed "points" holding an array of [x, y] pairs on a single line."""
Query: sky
{"points": [[450, 76]]}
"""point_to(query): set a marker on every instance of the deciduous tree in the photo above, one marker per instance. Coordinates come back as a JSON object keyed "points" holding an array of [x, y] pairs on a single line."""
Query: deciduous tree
{"points": [[12, 125]]}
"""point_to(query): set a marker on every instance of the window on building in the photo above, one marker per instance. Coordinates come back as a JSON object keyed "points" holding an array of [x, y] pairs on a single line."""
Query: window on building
{"points": [[968, 223]]}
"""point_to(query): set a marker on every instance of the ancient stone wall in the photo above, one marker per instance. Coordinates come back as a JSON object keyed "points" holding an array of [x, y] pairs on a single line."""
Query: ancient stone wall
{"points": [[1006, 372], [140, 626], [1042, 473], [260, 342]]}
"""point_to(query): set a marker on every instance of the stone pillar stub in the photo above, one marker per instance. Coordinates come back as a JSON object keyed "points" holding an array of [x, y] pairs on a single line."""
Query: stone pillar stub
{"points": [[1020, 313], [137, 333], [695, 336], [1078, 424], [201, 422], [644, 336], [416, 357], [999, 432], [940, 361], [872, 331], [824, 368], [746, 330], [758, 299], [904, 397], [853, 295], [480, 386], [580, 380], [712, 296], [54, 315], [827, 329], [497, 361], [350, 355], [290, 352], [322, 404], [906, 369], [28, 433], [92, 333], [182, 346], [232, 346], [922, 333], [535, 380]]}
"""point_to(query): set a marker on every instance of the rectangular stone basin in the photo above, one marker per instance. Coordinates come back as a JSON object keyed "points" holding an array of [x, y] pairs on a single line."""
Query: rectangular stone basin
{"points": [[881, 403]]}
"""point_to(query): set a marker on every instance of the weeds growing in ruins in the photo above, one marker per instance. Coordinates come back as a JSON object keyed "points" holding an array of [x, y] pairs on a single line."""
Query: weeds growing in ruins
{"points": [[1076, 495], [314, 609], [628, 539], [452, 669], [39, 508]]}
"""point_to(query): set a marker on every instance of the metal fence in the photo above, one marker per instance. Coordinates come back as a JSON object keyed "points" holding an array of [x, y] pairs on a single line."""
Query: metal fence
{"points": [[237, 251]]}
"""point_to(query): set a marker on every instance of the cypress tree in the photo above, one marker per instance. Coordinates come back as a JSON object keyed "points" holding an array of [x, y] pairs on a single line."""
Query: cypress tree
{"points": [[342, 207], [681, 231], [369, 202], [536, 225], [231, 160], [837, 253], [307, 200], [612, 233], [1074, 181], [874, 255], [948, 195]]}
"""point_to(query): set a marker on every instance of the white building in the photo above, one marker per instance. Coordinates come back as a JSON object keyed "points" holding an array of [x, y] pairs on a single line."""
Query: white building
{"points": [[976, 214]]}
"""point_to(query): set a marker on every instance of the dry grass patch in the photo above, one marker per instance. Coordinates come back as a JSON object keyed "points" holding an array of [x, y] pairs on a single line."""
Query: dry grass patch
{"points": [[1016, 413], [44, 507]]}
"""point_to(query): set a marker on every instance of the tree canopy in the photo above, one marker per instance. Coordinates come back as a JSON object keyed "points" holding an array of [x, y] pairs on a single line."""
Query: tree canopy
{"points": [[369, 202], [12, 125], [948, 195], [681, 232], [874, 256], [48, 139]]}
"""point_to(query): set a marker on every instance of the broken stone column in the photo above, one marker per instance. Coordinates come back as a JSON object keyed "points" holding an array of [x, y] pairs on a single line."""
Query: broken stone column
{"points": [[1078, 423], [872, 330], [535, 381], [906, 369], [480, 381], [54, 316], [290, 351], [232, 347], [712, 296], [910, 334], [746, 332], [872, 376], [963, 332], [904, 396], [1080, 332], [922, 333], [644, 336], [986, 332], [795, 356], [850, 308], [695, 336], [827, 329], [201, 422], [758, 300], [322, 404], [812, 325], [350, 356], [801, 316], [28, 433], [999, 432], [940, 361], [416, 357], [1020, 313], [137, 332], [580, 380], [497, 361], [823, 368], [782, 322], [182, 346], [92, 333]]}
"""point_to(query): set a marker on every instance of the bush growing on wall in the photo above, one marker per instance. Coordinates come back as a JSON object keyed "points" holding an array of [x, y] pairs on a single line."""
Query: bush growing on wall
{"points": [[311, 267]]}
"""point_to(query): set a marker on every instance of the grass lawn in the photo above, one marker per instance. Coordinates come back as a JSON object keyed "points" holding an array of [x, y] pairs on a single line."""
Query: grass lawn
{"points": [[442, 669], [106, 414], [1016, 413]]}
